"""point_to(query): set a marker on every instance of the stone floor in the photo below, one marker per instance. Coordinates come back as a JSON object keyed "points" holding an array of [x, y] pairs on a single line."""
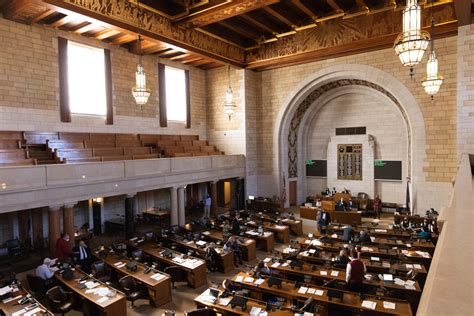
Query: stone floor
{"points": [[183, 296]]}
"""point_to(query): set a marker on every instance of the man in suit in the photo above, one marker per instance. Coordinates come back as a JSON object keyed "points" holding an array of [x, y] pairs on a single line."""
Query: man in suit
{"points": [[236, 224], [341, 205], [83, 256]]}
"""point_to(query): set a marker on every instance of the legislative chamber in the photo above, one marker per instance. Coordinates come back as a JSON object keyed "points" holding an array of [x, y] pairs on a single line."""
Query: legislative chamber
{"points": [[236, 157]]}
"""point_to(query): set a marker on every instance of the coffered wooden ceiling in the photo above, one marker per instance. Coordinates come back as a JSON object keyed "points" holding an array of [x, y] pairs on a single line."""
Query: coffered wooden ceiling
{"points": [[255, 34]]}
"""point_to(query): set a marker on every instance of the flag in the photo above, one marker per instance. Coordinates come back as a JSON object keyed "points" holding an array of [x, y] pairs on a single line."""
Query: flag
{"points": [[407, 198], [283, 193]]}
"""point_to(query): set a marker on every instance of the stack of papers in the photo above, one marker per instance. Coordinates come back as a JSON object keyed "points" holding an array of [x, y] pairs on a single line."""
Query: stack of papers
{"points": [[417, 266], [369, 304], [312, 251], [372, 239], [92, 284], [259, 281], [248, 279], [224, 301], [316, 242], [267, 234], [201, 243], [266, 260], [157, 276], [399, 281], [102, 299], [388, 277], [334, 236], [206, 233], [323, 272], [423, 254], [319, 292], [8, 300], [386, 264], [334, 273], [409, 266], [255, 311], [302, 290], [388, 305], [276, 265], [311, 290], [239, 278], [4, 290], [381, 230]]}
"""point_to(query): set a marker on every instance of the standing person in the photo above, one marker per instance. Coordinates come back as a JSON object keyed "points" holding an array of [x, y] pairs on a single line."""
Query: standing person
{"points": [[319, 222], [84, 256], [234, 244], [377, 206], [324, 221], [207, 206], [63, 251], [355, 272], [236, 224]]}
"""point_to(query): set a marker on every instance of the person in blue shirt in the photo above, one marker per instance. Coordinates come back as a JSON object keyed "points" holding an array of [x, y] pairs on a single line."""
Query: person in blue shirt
{"points": [[45, 271], [424, 234], [207, 206]]}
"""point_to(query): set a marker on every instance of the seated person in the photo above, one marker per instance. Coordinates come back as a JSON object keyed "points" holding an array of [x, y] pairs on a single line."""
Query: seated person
{"points": [[262, 268], [212, 257], [347, 233], [424, 233], [342, 259], [351, 205], [405, 223], [318, 204], [234, 244], [233, 289], [341, 205], [46, 272], [364, 237]]}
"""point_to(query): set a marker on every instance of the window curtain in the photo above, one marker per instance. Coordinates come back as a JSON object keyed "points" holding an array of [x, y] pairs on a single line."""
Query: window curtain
{"points": [[64, 110], [162, 93], [108, 87], [188, 99]]}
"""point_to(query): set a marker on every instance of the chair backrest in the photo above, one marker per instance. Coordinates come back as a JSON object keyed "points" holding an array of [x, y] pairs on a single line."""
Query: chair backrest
{"points": [[56, 294], [128, 283], [36, 284], [98, 268], [177, 273], [201, 312]]}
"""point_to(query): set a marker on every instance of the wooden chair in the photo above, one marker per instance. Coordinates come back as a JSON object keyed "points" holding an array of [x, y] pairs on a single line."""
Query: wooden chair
{"points": [[59, 300], [177, 274], [201, 312], [100, 271], [132, 290]]}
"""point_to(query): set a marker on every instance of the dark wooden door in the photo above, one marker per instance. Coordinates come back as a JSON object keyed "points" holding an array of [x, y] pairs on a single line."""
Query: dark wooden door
{"points": [[292, 193]]}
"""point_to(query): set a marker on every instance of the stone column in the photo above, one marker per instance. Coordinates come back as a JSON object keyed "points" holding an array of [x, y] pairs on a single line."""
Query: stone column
{"points": [[53, 228], [37, 225], [174, 205], [214, 198], [130, 207], [68, 222], [181, 207]]}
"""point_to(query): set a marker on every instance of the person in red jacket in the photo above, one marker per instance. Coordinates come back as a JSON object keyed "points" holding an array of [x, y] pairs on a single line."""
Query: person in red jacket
{"points": [[63, 251], [355, 272]]}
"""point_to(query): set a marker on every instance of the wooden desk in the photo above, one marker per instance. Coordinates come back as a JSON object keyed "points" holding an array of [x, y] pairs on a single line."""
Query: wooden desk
{"points": [[228, 310], [157, 214], [296, 226], [341, 217], [114, 306], [374, 231], [159, 291], [350, 301], [226, 258], [197, 275], [265, 242], [13, 307], [327, 274], [248, 247], [281, 232], [263, 205]]}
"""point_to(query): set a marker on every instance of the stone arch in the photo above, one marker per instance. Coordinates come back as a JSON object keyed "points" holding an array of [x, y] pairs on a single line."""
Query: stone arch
{"points": [[346, 75]]}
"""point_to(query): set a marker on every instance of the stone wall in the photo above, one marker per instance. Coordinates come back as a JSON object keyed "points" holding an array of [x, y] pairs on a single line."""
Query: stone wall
{"points": [[29, 86], [465, 94]]}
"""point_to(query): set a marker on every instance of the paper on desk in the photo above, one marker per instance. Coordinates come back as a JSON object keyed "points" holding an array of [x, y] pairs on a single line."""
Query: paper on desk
{"points": [[381, 230], [409, 245], [201, 243], [248, 241], [255, 311], [319, 292], [8, 300], [266, 260], [386, 264], [239, 278], [316, 242], [118, 263], [307, 241], [133, 239], [399, 281], [334, 236], [323, 272], [102, 299], [248, 279], [285, 264], [206, 233], [372, 239], [121, 265], [404, 251], [259, 281], [417, 266], [369, 304], [311, 251], [4, 290], [37, 311], [91, 284], [311, 290], [102, 291], [410, 287], [276, 265], [334, 273], [20, 312], [157, 276], [280, 227], [224, 301], [410, 282], [409, 266], [388, 305], [90, 291], [308, 314], [375, 258], [302, 290], [399, 242], [267, 234]]}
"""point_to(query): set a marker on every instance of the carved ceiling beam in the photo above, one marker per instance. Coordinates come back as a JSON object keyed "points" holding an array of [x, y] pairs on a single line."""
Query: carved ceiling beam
{"points": [[245, 32], [123, 16], [86, 27], [180, 56], [335, 6], [191, 60], [257, 23], [279, 16], [463, 11], [42, 16], [304, 8], [225, 11], [123, 39], [64, 20], [105, 34]]}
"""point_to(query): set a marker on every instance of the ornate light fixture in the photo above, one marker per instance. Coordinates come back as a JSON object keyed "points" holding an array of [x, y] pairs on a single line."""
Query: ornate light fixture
{"points": [[433, 81], [229, 105], [140, 92], [411, 44]]}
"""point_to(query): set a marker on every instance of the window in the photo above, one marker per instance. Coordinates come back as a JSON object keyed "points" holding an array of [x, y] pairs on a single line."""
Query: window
{"points": [[86, 80], [175, 94]]}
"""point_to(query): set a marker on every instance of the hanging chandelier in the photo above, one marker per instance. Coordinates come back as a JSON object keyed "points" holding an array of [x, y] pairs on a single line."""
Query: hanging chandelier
{"points": [[433, 81], [411, 44], [140, 92], [229, 105]]}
